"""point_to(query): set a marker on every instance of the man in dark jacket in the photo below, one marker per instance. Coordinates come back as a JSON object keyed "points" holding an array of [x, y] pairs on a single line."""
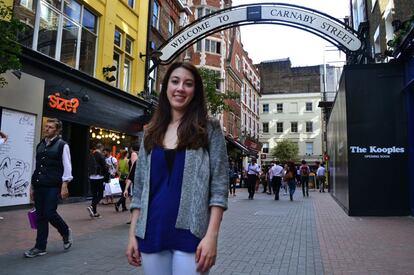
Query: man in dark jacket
{"points": [[98, 173], [49, 182]]}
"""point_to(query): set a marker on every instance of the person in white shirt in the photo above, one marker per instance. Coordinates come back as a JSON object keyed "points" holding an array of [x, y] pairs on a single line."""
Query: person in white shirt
{"points": [[320, 173], [112, 164], [277, 174], [253, 171]]}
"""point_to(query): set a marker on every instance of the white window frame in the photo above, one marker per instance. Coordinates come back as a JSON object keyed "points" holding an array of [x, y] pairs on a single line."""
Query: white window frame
{"points": [[291, 126], [265, 125], [279, 110], [277, 127], [171, 26], [309, 152], [156, 16], [267, 109], [311, 106], [309, 127]]}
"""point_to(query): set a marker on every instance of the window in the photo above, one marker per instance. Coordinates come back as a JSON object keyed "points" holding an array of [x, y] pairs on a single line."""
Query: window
{"points": [[171, 26], [279, 127], [131, 3], [198, 46], [279, 107], [155, 15], [309, 106], [65, 31], [309, 148], [118, 38], [265, 108], [293, 107], [294, 127], [265, 127], [237, 63], [128, 45], [212, 46], [127, 75], [265, 148], [309, 126], [116, 61]]}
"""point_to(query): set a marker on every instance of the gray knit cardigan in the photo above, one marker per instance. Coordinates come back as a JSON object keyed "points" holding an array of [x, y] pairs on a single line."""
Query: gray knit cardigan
{"points": [[205, 184]]}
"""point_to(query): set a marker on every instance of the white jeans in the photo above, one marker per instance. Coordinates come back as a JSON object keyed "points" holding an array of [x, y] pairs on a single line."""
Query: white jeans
{"points": [[170, 262]]}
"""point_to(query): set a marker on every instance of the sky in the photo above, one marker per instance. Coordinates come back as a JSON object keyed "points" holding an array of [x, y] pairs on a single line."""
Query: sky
{"points": [[269, 42]]}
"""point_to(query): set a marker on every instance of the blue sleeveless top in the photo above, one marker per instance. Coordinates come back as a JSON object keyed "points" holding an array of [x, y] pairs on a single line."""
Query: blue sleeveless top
{"points": [[167, 167]]}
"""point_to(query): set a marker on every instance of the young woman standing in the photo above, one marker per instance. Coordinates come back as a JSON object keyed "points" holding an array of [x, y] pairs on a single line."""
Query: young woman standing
{"points": [[181, 182]]}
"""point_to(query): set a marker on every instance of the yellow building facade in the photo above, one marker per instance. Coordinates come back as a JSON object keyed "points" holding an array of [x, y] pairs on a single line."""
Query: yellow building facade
{"points": [[90, 35]]}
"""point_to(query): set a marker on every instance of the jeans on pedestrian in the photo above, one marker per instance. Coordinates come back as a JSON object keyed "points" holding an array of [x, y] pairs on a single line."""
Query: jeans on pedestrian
{"points": [[169, 262], [122, 200], [305, 185], [321, 180], [292, 187], [232, 185], [251, 184], [46, 203], [97, 189], [276, 182]]}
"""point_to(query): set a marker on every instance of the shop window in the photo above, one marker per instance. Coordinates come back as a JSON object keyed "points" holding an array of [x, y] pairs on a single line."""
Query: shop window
{"points": [[294, 127], [279, 127], [66, 31]]}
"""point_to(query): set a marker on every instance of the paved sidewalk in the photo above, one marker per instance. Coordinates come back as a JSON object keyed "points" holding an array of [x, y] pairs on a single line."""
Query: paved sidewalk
{"points": [[261, 236]]}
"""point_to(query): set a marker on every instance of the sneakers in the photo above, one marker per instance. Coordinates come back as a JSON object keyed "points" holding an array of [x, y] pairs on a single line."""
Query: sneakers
{"points": [[97, 215], [34, 252], [90, 210], [68, 240]]}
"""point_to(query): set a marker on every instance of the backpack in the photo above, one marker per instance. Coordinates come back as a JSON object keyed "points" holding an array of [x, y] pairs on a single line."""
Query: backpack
{"points": [[304, 170]]}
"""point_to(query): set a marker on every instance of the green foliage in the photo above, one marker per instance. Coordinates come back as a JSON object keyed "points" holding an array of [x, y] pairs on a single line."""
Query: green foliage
{"points": [[216, 101], [9, 48], [285, 150], [401, 33]]}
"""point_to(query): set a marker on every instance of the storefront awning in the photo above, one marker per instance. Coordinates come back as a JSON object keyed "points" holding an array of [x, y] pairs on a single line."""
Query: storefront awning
{"points": [[240, 146]]}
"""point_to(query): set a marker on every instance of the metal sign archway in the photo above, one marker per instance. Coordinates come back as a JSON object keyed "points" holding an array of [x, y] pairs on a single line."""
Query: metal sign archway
{"points": [[313, 21]]}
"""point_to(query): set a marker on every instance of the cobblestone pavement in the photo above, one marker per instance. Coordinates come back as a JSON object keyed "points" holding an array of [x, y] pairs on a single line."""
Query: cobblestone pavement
{"points": [[261, 236]]}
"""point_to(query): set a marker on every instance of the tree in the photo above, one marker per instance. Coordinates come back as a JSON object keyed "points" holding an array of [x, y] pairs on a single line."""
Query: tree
{"points": [[285, 150], [216, 101], [9, 48]]}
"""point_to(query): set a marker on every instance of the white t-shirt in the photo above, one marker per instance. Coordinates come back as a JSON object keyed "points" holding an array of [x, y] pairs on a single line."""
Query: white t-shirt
{"points": [[112, 164]]}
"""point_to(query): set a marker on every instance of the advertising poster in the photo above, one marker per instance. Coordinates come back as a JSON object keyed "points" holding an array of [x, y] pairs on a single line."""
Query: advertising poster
{"points": [[16, 157]]}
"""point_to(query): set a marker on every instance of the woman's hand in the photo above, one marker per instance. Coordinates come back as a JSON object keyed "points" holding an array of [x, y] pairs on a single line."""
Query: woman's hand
{"points": [[206, 253], [132, 252]]}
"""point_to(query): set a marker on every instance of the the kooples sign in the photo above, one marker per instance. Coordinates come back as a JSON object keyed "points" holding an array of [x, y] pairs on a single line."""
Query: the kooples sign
{"points": [[376, 151], [267, 12]]}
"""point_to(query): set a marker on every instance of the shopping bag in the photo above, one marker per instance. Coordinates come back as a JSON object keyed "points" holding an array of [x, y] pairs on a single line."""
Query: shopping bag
{"points": [[32, 215], [114, 187], [107, 190]]}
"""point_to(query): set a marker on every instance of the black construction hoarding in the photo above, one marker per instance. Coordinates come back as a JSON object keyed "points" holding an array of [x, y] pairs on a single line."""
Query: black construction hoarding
{"points": [[367, 141]]}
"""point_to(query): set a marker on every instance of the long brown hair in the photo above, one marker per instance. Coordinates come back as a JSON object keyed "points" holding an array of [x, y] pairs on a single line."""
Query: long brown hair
{"points": [[192, 131]]}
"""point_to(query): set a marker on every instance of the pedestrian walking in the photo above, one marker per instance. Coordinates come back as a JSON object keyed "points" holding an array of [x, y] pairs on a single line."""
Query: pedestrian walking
{"points": [[98, 174], [112, 164], [290, 178], [233, 175], [181, 181], [277, 174], [50, 181], [304, 178], [123, 171], [252, 171], [320, 174]]}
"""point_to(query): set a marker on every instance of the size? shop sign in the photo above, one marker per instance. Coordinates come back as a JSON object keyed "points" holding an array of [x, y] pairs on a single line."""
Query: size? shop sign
{"points": [[62, 104]]}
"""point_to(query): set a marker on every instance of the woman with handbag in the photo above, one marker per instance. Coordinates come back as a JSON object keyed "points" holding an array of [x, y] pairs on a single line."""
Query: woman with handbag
{"points": [[181, 181], [123, 171]]}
